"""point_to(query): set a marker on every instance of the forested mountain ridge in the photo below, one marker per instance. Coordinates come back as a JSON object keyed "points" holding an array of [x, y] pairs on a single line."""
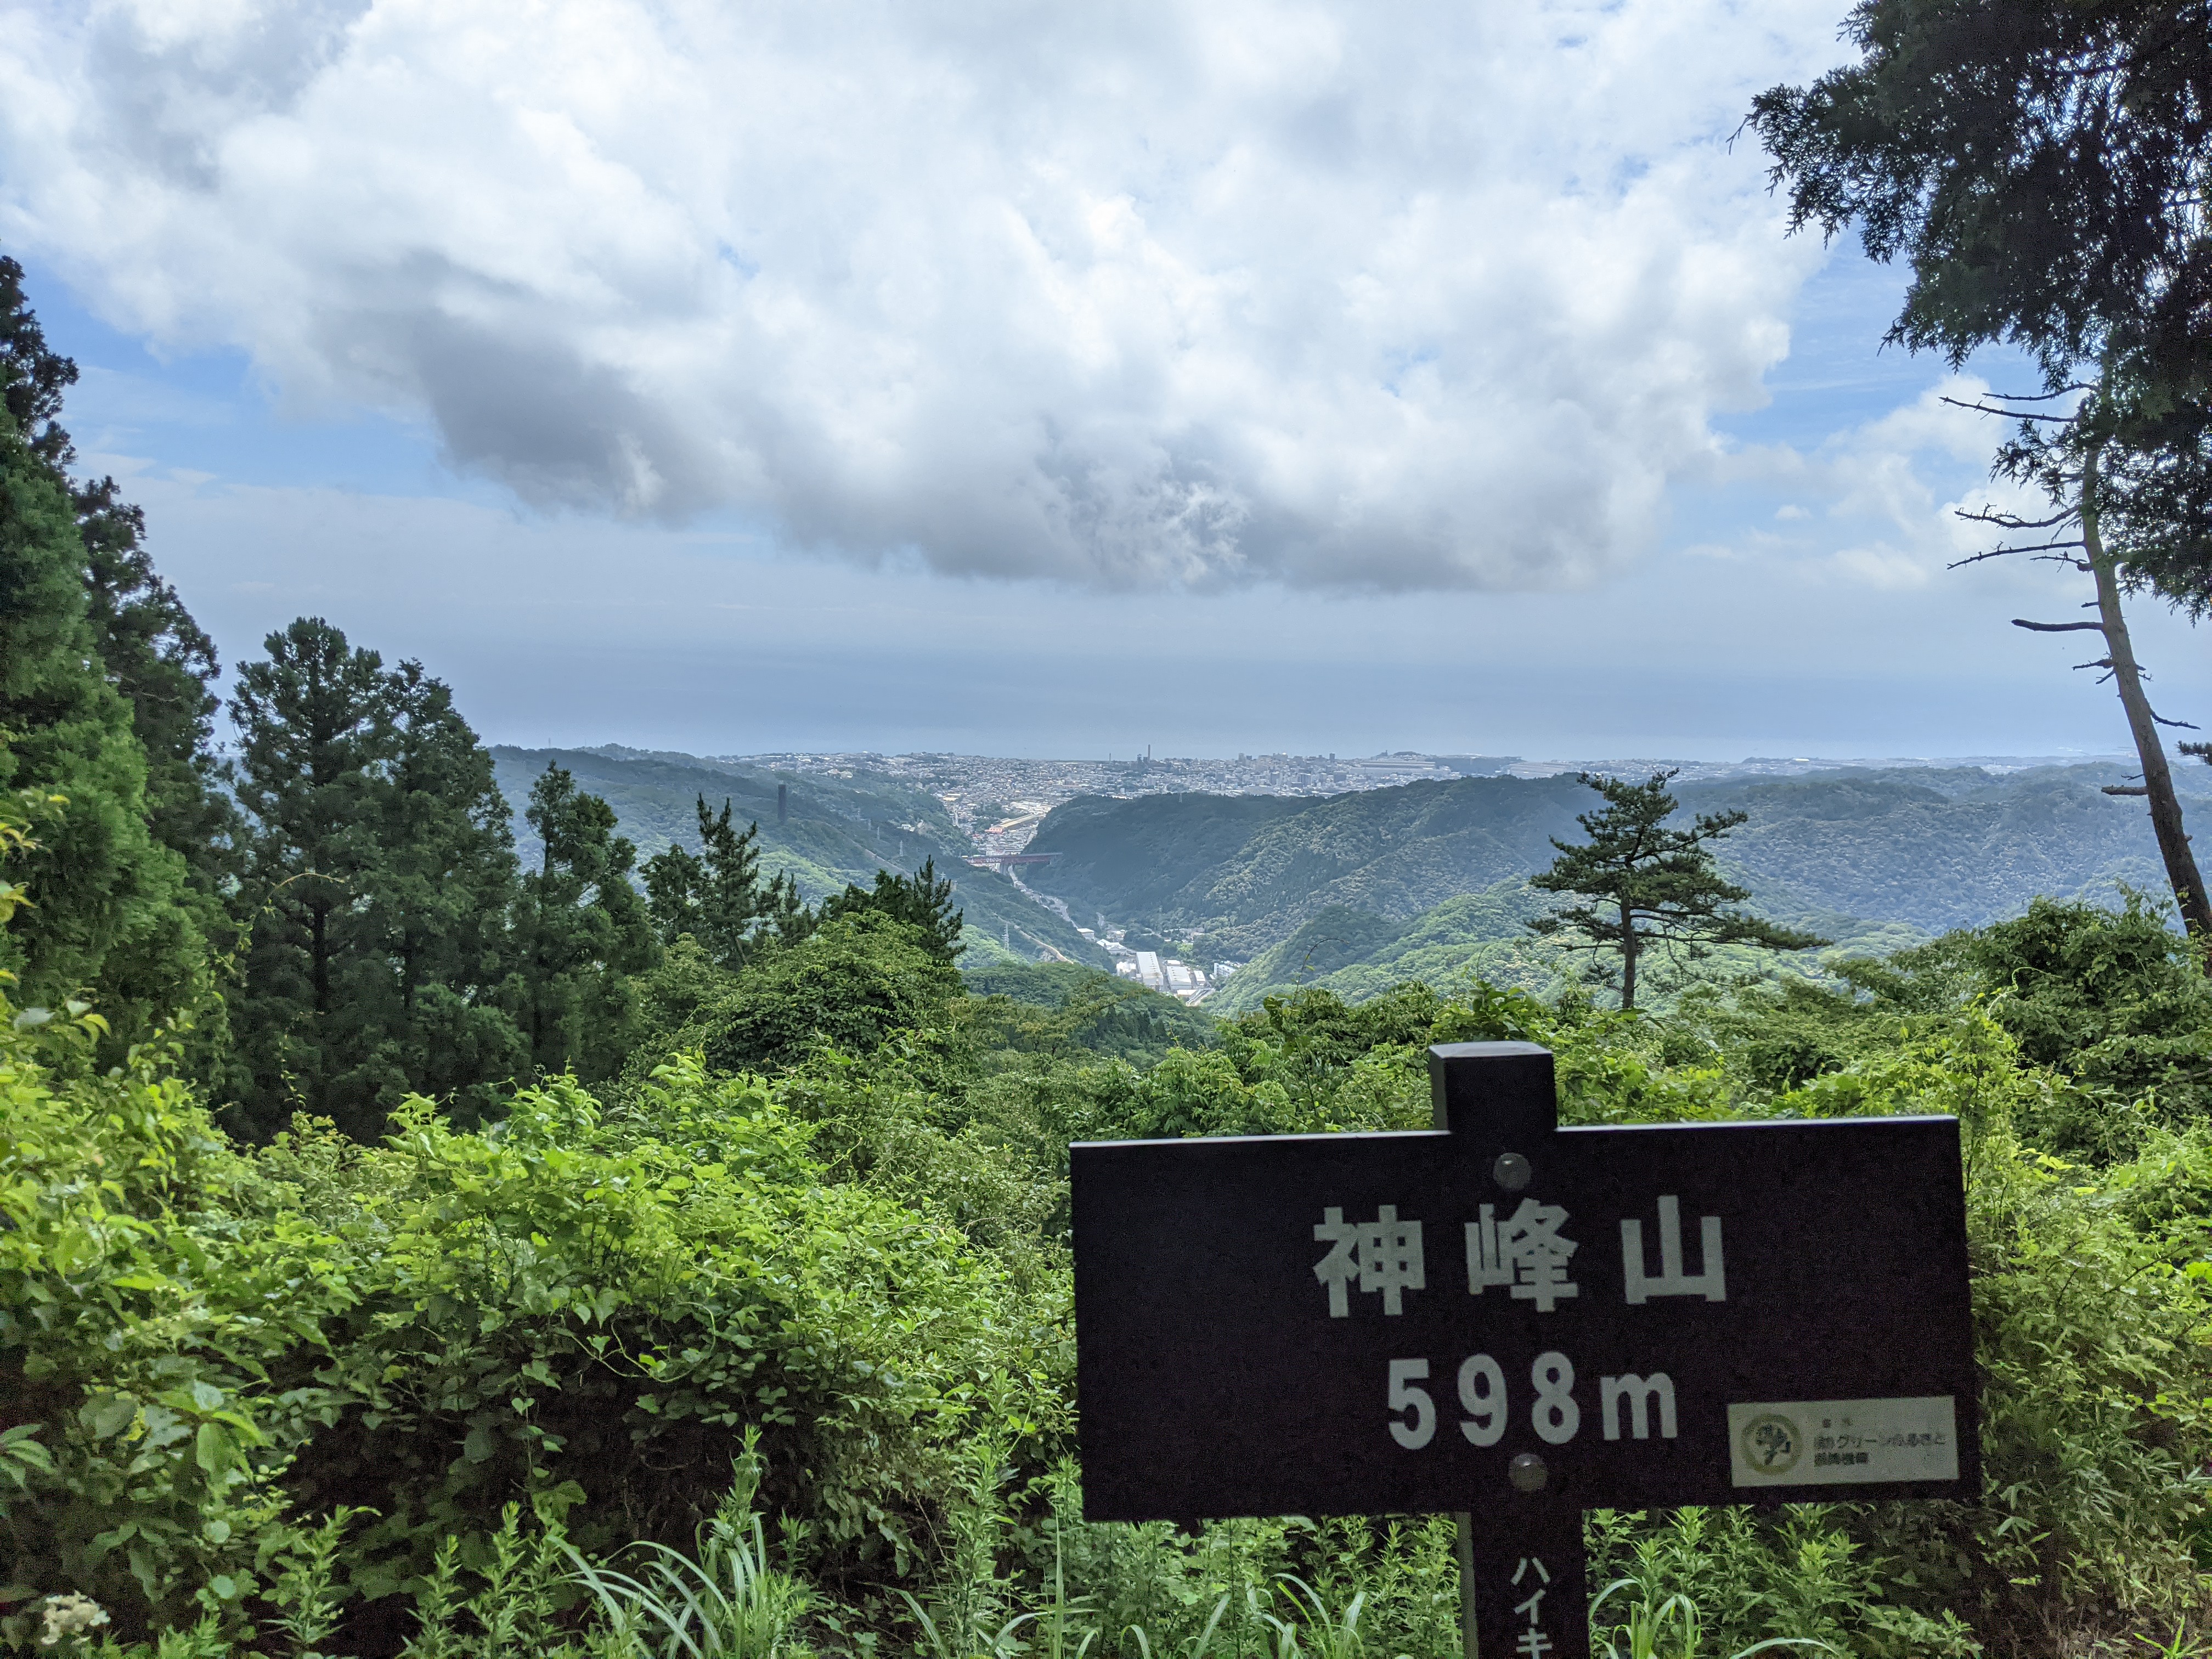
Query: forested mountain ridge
{"points": [[1245, 871], [1953, 848], [1930, 848], [836, 831]]}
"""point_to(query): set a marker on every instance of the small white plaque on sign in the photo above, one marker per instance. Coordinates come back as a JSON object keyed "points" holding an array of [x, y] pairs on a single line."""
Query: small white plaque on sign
{"points": [[1835, 1442]]}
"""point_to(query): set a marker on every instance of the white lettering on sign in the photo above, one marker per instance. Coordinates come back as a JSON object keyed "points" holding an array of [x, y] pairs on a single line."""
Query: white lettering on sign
{"points": [[1533, 1642], [1485, 1404], [1384, 1253], [1554, 1414], [1525, 1252], [1639, 1392], [1832, 1442], [1712, 1284], [1404, 1373]]}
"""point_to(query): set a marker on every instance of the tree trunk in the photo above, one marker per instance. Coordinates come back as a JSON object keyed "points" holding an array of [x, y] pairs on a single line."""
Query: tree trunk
{"points": [[2158, 781], [1629, 944]]}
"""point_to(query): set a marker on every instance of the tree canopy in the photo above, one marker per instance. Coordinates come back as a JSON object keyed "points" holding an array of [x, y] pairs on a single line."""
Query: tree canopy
{"points": [[113, 905], [2045, 170], [379, 873], [2042, 167], [923, 901], [716, 895], [581, 930]]}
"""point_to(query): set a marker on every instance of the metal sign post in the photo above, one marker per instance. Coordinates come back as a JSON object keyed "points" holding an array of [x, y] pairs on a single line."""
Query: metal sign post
{"points": [[1515, 1321]]}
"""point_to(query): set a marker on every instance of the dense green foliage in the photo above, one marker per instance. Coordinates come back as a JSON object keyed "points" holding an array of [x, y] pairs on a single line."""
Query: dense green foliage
{"points": [[854, 980], [115, 905], [1066, 1009], [2100, 997], [922, 901], [391, 1392]]}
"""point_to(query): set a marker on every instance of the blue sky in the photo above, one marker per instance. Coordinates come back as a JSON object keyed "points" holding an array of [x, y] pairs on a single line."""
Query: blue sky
{"points": [[1287, 376]]}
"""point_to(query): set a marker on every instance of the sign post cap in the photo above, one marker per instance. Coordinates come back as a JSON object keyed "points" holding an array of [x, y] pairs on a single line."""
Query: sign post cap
{"points": [[1503, 1091], [1451, 1051]]}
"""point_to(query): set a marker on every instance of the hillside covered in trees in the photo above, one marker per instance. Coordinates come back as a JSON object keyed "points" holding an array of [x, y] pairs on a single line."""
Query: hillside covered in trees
{"points": [[1304, 888], [835, 831]]}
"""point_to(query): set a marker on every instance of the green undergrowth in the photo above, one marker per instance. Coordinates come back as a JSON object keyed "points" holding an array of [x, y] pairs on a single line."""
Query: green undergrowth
{"points": [[754, 1362]]}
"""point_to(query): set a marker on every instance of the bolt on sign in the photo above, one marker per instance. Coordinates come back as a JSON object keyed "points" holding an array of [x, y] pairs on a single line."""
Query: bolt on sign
{"points": [[1514, 1322]]}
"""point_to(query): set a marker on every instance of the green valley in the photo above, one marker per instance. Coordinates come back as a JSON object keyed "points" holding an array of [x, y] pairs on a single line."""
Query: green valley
{"points": [[833, 831], [1427, 880]]}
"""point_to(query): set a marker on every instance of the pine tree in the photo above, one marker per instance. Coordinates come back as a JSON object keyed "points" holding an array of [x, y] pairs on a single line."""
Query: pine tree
{"points": [[110, 914], [717, 897], [313, 723], [380, 871], [714, 895], [922, 901], [439, 899], [581, 930], [1649, 886]]}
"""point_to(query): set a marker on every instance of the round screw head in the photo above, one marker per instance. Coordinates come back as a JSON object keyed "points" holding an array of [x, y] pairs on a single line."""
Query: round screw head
{"points": [[1511, 1171], [1527, 1472]]}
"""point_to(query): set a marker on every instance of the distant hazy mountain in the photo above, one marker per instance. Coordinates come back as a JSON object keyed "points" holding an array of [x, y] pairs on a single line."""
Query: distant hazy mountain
{"points": [[1845, 851], [837, 831]]}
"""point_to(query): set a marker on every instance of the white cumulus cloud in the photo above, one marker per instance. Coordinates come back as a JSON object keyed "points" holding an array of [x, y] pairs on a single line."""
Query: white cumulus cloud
{"points": [[1333, 294]]}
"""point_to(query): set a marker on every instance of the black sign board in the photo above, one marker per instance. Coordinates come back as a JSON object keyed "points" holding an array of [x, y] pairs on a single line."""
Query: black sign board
{"points": [[1518, 1322]]}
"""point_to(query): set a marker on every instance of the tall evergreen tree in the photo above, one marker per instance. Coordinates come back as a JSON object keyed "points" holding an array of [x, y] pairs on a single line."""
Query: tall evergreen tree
{"points": [[379, 870], [2045, 170], [1649, 886], [717, 897], [313, 726], [715, 894], [439, 895], [110, 914], [581, 930]]}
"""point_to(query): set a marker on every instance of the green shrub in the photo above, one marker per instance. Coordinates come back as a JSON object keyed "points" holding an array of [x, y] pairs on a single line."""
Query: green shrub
{"points": [[858, 978], [594, 1310], [162, 1308]]}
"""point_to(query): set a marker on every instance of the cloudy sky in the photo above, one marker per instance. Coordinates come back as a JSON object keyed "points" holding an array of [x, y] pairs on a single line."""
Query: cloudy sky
{"points": [[1030, 379]]}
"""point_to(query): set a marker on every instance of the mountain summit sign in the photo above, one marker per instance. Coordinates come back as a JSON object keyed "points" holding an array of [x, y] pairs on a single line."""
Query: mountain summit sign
{"points": [[1515, 1321]]}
